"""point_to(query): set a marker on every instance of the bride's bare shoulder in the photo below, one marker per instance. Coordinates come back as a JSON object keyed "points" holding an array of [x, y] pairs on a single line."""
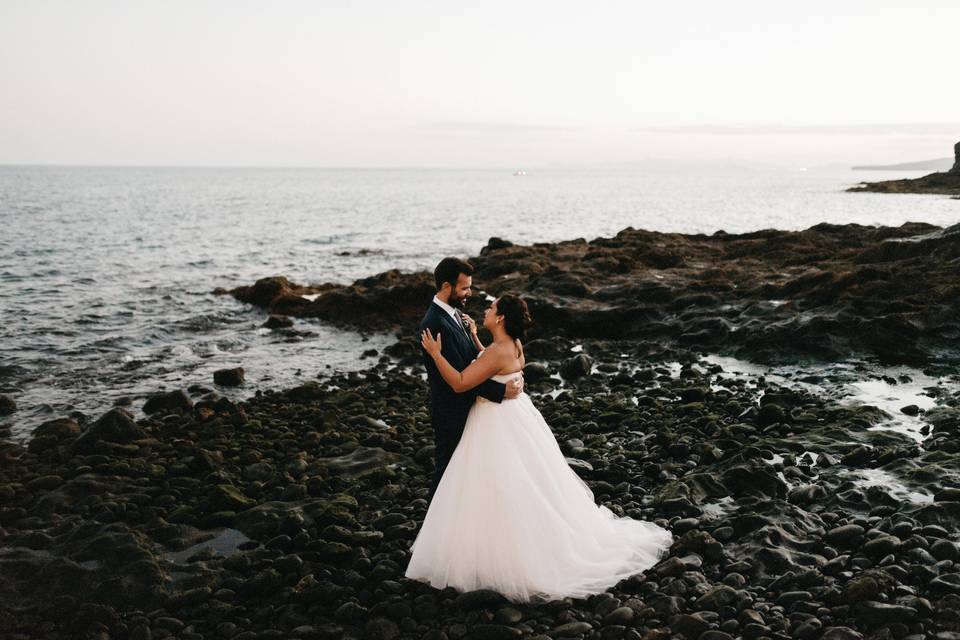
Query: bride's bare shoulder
{"points": [[502, 352], [495, 349]]}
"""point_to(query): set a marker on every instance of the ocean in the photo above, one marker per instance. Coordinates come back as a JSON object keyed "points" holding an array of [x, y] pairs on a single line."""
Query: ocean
{"points": [[106, 274]]}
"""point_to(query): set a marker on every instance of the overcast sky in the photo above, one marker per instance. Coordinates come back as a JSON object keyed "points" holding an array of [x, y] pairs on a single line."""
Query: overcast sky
{"points": [[499, 84]]}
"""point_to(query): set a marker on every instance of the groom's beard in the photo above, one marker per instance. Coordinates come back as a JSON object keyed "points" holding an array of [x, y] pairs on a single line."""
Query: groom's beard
{"points": [[457, 303]]}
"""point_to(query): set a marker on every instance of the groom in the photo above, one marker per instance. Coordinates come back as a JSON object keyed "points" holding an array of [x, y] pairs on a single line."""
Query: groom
{"points": [[448, 409]]}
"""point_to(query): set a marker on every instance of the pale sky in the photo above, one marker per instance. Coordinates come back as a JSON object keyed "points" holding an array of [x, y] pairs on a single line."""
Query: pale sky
{"points": [[454, 84]]}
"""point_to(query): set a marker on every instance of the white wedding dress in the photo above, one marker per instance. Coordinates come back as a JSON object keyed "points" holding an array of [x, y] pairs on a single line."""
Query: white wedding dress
{"points": [[511, 515]]}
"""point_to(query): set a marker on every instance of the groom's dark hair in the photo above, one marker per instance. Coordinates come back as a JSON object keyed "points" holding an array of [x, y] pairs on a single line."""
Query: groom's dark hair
{"points": [[449, 270]]}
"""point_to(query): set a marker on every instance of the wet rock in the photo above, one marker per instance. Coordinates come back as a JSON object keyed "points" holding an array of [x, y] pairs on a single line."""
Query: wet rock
{"points": [[715, 635], [717, 597], [875, 613], [176, 401], [881, 546], [755, 478], [571, 630], [619, 616], [806, 494], [494, 632], [115, 426], [480, 599], [841, 633], [945, 550], [689, 625], [189, 598], [225, 497], [674, 566], [52, 433], [381, 629], [858, 457], [7, 405], [861, 589], [947, 494], [228, 377], [576, 367], [535, 372], [507, 615], [360, 462], [261, 471], [770, 414], [275, 321], [845, 536], [264, 291], [948, 583], [47, 482]]}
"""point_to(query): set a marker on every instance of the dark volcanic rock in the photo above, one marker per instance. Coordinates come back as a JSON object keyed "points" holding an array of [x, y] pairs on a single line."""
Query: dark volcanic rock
{"points": [[278, 322], [829, 291], [176, 401], [228, 377], [116, 426], [480, 599], [535, 372], [53, 432], [387, 299], [576, 367], [297, 521]]}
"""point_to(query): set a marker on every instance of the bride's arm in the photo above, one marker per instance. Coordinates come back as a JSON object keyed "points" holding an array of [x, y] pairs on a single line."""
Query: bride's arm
{"points": [[477, 343], [480, 370]]}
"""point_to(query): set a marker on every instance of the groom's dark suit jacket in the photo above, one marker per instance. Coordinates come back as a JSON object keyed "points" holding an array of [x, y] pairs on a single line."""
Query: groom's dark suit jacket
{"points": [[448, 409]]}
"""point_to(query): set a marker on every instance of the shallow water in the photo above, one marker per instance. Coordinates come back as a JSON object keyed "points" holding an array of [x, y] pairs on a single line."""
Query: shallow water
{"points": [[857, 383], [224, 542]]}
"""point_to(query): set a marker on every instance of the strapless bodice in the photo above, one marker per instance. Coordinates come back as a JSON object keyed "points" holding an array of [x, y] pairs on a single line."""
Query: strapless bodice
{"points": [[501, 377]]}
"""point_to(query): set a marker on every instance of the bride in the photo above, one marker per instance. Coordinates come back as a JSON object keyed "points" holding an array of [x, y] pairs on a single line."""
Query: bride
{"points": [[509, 513]]}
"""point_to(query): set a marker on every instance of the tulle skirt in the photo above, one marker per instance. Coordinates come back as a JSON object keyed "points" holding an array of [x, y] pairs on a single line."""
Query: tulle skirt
{"points": [[511, 515]]}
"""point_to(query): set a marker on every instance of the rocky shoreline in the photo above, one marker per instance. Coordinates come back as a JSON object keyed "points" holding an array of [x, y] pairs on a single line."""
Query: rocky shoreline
{"points": [[825, 293], [940, 182], [290, 514]]}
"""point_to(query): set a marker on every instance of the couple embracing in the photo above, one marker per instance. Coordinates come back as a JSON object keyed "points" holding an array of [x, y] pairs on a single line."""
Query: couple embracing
{"points": [[506, 511]]}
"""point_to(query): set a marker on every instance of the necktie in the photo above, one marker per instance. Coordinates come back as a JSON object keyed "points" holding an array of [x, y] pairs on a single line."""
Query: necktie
{"points": [[456, 314]]}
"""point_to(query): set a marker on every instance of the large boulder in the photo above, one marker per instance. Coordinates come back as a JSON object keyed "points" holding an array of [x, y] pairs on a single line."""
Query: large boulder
{"points": [[116, 426], [53, 432], [576, 367], [228, 377], [176, 401]]}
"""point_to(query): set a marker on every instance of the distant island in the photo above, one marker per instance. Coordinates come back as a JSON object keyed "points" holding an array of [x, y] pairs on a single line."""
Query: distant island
{"points": [[938, 164], [942, 182]]}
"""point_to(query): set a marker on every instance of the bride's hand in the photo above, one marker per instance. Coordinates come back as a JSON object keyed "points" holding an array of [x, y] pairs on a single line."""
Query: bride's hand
{"points": [[471, 325], [430, 345]]}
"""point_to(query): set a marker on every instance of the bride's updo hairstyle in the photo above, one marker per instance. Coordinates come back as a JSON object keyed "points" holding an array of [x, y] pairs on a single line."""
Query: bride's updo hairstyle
{"points": [[516, 316]]}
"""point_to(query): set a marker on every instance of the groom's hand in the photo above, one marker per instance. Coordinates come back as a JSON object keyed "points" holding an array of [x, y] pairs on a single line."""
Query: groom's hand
{"points": [[514, 388]]}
